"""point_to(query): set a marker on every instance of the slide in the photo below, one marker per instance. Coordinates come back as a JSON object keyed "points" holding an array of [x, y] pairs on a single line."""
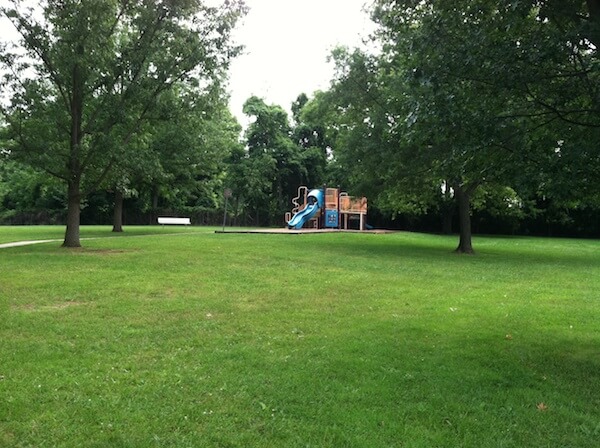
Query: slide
{"points": [[300, 218], [315, 200]]}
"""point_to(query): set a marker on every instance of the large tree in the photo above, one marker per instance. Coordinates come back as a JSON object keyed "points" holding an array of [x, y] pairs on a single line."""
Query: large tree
{"points": [[85, 77], [184, 147], [310, 135], [471, 93], [274, 166], [192, 154], [500, 85], [279, 157]]}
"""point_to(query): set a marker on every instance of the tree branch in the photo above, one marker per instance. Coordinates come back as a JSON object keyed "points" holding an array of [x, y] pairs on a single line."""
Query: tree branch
{"points": [[142, 41], [26, 30], [562, 114]]}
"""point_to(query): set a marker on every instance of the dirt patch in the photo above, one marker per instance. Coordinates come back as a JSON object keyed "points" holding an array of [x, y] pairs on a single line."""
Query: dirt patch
{"points": [[33, 308], [88, 251]]}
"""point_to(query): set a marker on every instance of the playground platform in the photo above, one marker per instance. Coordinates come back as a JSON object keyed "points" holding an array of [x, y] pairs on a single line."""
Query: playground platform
{"points": [[286, 231]]}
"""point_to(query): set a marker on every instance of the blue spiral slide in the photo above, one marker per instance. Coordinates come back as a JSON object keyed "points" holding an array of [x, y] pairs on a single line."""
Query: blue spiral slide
{"points": [[315, 202]]}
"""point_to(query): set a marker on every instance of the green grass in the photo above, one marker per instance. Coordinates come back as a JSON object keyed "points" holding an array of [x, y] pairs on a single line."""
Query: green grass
{"points": [[9, 234], [330, 340]]}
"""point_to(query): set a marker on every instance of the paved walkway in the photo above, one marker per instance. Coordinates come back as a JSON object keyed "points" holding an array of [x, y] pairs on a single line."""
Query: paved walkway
{"points": [[26, 243]]}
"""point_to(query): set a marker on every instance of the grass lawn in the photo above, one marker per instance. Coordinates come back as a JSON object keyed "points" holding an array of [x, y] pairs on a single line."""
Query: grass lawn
{"points": [[199, 339], [9, 234]]}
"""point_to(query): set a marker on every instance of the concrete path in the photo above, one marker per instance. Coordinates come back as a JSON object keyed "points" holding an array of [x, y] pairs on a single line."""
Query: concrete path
{"points": [[26, 243]]}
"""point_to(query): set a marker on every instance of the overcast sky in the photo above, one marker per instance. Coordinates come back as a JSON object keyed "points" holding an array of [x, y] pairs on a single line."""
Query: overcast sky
{"points": [[287, 44]]}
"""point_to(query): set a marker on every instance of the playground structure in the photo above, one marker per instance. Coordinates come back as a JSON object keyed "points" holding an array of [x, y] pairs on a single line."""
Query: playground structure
{"points": [[326, 208]]}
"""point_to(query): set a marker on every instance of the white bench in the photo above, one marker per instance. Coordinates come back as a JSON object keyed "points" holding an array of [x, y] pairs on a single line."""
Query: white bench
{"points": [[169, 220]]}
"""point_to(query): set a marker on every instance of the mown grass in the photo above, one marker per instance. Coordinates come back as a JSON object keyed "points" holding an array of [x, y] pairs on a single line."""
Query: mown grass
{"points": [[329, 340], [9, 234]]}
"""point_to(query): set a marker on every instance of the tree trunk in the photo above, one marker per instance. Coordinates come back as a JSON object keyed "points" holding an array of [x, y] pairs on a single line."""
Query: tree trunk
{"points": [[463, 197], [118, 212], [154, 216], [75, 169], [73, 214]]}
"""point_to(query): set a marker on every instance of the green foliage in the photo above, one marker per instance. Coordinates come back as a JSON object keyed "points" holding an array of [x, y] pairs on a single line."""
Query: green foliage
{"points": [[297, 107], [531, 80], [268, 174], [88, 74], [28, 196], [191, 139], [470, 93]]}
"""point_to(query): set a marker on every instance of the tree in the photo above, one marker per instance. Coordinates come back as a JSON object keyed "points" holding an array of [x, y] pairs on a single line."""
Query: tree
{"points": [[445, 121], [184, 147], [369, 155], [28, 196], [310, 136], [469, 93], [90, 76], [192, 155], [278, 158], [274, 165]]}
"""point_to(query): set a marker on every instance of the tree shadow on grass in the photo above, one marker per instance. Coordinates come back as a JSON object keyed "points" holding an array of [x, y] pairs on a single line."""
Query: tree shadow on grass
{"points": [[436, 248], [481, 390]]}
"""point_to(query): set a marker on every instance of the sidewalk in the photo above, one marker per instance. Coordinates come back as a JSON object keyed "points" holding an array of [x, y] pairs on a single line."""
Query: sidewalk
{"points": [[26, 243]]}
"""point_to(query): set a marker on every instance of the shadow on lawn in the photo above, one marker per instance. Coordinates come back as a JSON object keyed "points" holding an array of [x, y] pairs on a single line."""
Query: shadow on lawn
{"points": [[512, 250], [542, 384]]}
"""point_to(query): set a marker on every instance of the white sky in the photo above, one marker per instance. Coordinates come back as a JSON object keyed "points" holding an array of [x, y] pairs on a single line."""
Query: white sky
{"points": [[287, 43]]}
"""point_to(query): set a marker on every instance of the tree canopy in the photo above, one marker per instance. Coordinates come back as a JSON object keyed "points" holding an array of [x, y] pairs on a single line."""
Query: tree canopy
{"points": [[86, 75], [470, 95], [458, 108]]}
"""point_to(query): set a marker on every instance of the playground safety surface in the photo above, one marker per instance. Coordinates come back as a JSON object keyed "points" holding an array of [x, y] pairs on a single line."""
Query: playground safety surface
{"points": [[284, 231]]}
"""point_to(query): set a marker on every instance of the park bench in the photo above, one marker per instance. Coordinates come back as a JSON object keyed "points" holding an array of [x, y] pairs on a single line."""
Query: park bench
{"points": [[170, 220]]}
